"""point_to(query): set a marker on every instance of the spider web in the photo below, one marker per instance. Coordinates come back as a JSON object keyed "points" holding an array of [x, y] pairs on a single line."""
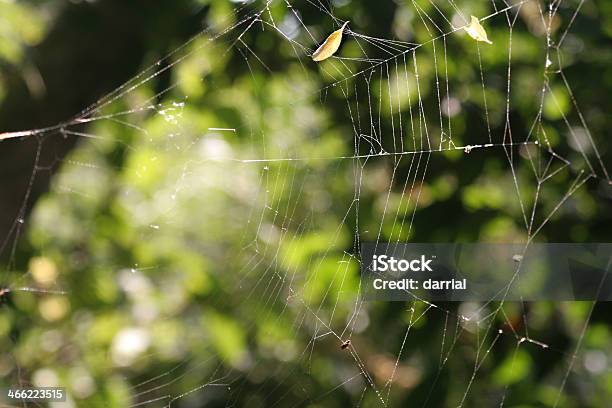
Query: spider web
{"points": [[277, 178]]}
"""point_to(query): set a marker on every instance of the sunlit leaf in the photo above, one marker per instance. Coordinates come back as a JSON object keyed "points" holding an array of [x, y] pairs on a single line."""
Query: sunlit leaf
{"points": [[477, 31], [330, 46]]}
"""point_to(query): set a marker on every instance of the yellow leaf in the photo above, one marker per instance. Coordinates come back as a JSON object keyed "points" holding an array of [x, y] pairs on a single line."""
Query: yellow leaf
{"points": [[476, 31], [330, 46]]}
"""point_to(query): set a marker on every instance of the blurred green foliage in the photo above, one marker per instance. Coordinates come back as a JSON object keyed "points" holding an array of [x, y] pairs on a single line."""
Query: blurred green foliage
{"points": [[193, 270]]}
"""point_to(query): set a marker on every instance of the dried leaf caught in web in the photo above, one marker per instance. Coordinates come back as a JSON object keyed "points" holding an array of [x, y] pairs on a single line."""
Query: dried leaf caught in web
{"points": [[330, 46], [476, 31]]}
